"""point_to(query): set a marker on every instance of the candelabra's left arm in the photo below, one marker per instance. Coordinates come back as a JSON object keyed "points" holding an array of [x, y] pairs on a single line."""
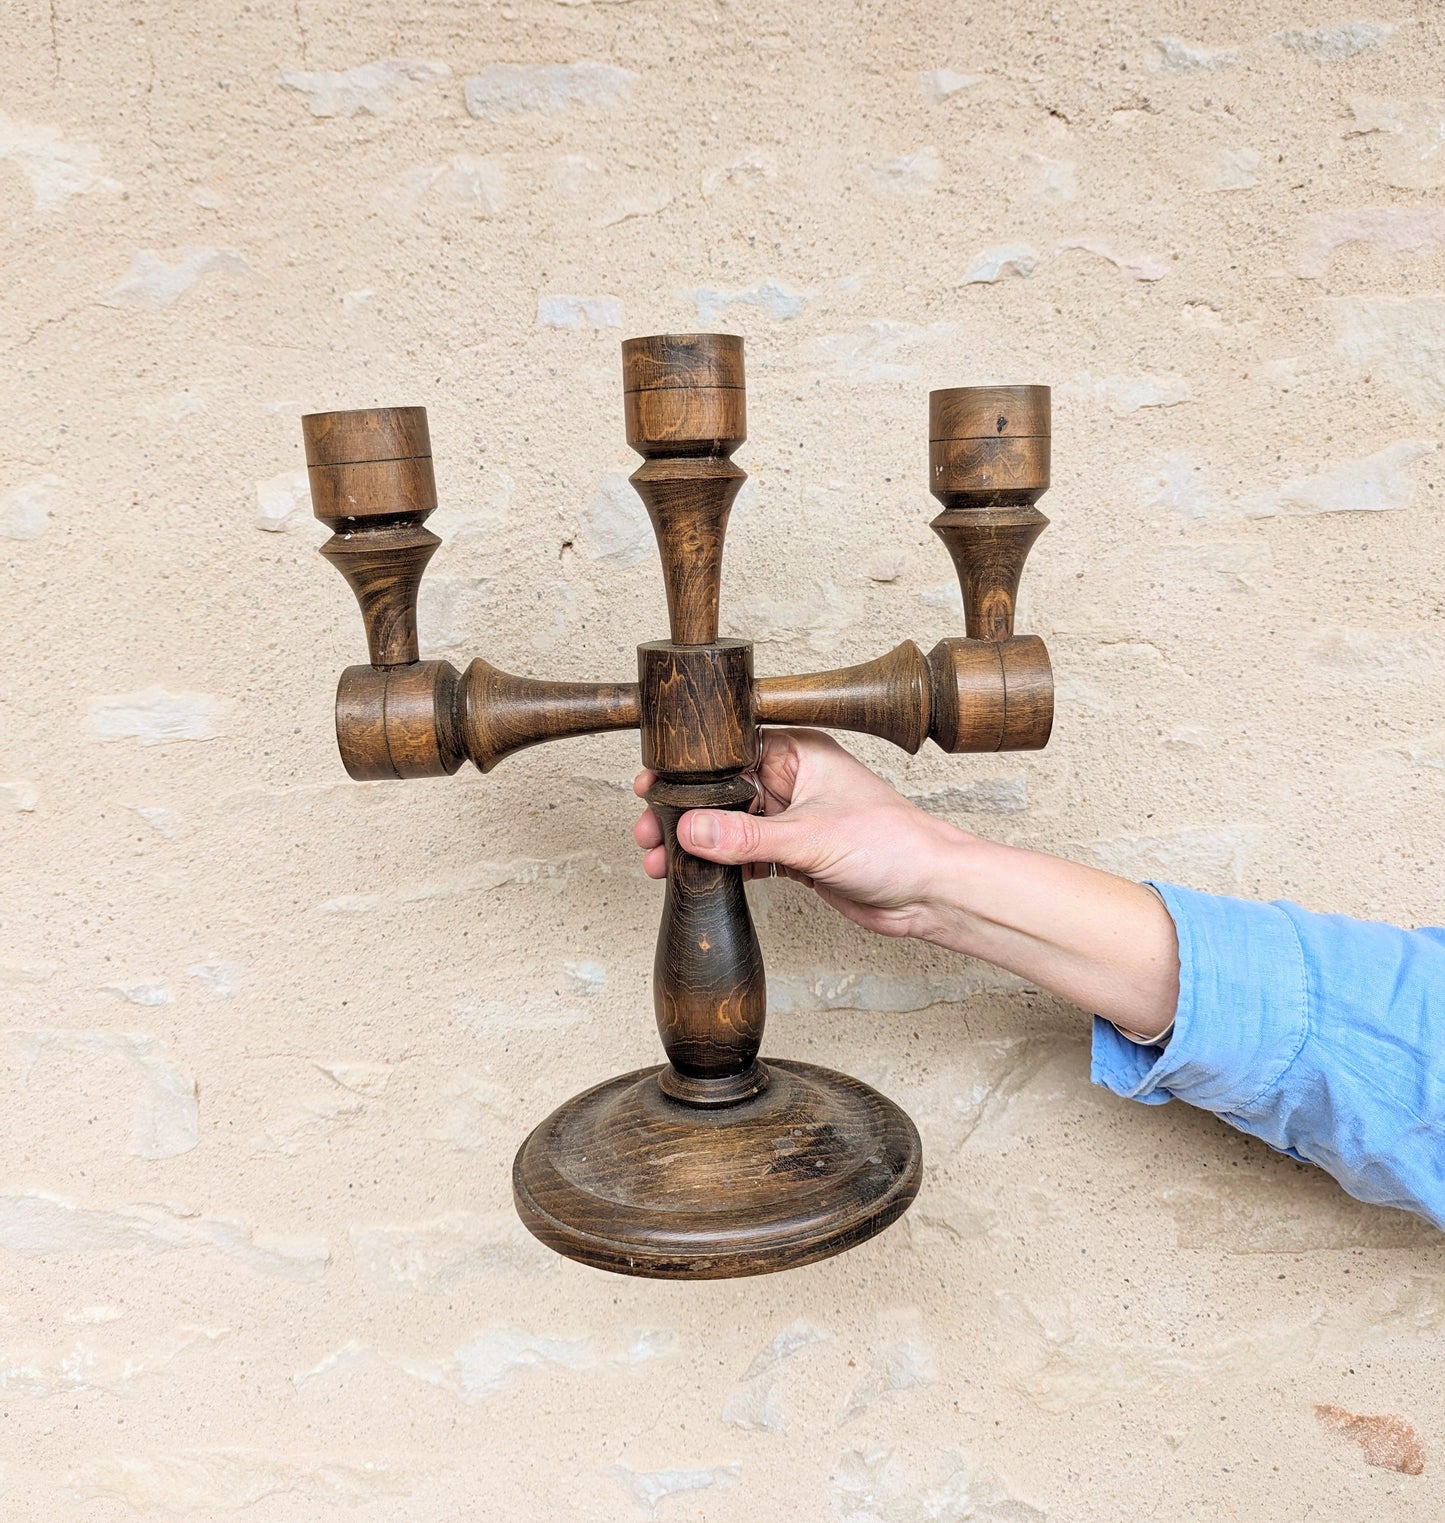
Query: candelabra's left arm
{"points": [[372, 486]]}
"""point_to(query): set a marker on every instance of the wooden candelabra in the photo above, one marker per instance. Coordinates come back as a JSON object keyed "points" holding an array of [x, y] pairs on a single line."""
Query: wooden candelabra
{"points": [[714, 1164]]}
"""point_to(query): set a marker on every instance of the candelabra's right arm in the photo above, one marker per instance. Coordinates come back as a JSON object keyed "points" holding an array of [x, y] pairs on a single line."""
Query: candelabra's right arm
{"points": [[993, 691]]}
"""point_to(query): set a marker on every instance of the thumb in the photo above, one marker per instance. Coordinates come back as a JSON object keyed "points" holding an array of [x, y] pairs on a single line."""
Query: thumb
{"points": [[723, 835]]}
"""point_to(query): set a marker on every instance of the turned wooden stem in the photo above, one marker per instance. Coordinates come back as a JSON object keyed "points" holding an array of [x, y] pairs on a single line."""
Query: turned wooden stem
{"points": [[889, 697], [708, 986], [989, 463], [699, 735], [686, 413], [501, 713], [372, 485]]}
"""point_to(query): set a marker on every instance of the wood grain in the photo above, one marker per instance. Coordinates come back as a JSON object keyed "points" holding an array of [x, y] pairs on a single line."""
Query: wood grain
{"points": [[500, 714], [683, 394], [981, 473], [990, 695], [697, 708], [371, 483], [1028, 681], [399, 722], [624, 1178], [707, 979], [686, 413], [989, 412], [684, 361], [890, 697], [366, 433], [383, 566], [689, 500], [988, 450], [988, 547]]}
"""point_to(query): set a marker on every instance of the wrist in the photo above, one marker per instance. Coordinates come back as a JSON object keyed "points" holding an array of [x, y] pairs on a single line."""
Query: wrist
{"points": [[958, 869]]}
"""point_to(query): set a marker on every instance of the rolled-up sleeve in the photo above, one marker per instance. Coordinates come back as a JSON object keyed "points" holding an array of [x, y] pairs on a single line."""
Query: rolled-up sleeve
{"points": [[1322, 1035]]}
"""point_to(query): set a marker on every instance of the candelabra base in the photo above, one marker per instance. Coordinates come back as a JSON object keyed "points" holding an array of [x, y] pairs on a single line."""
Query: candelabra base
{"points": [[625, 1178]]}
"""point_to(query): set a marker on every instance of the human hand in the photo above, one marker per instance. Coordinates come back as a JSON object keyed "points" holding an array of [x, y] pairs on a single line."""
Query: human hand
{"points": [[827, 822], [1104, 943]]}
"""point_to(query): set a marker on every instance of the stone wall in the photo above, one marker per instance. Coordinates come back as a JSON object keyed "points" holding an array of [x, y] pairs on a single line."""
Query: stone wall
{"points": [[271, 1037]]}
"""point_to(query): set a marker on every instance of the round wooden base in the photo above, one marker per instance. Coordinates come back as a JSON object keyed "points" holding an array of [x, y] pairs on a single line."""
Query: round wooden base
{"points": [[622, 1177]]}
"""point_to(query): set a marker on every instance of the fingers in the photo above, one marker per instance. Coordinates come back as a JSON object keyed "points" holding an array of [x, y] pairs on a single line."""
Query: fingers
{"points": [[643, 781], [803, 766], [647, 830], [804, 777], [720, 835]]}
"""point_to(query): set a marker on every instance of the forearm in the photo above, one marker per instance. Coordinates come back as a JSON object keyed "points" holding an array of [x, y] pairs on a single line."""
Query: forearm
{"points": [[1105, 944], [1100, 942]]}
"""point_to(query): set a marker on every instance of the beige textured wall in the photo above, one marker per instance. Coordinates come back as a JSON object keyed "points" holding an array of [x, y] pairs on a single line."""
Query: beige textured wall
{"points": [[272, 1037]]}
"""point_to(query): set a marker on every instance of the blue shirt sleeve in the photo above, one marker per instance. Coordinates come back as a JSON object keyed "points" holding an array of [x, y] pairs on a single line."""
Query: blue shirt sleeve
{"points": [[1321, 1035]]}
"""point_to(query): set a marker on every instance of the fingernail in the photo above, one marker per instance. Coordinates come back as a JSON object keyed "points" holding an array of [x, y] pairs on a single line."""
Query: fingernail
{"points": [[704, 830]]}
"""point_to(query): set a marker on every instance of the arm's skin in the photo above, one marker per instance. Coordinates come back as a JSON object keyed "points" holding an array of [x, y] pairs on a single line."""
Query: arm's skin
{"points": [[1100, 942]]}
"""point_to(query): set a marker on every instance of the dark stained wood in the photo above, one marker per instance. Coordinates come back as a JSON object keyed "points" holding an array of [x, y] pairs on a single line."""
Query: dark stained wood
{"points": [[350, 497], [625, 1178], [372, 485], [966, 680], [889, 697], [662, 361], [977, 473], [1028, 680], [383, 566], [708, 986], [966, 695], [988, 449], [989, 547], [697, 708], [366, 433], [707, 980], [424, 720], [683, 394], [719, 1163], [991, 696], [361, 724], [688, 500], [989, 412], [708, 421], [399, 721], [500, 713], [686, 414]]}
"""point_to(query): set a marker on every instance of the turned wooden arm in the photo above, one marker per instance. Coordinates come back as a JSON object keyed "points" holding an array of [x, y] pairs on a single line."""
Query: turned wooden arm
{"points": [[965, 695], [994, 691], [426, 719], [372, 485]]}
